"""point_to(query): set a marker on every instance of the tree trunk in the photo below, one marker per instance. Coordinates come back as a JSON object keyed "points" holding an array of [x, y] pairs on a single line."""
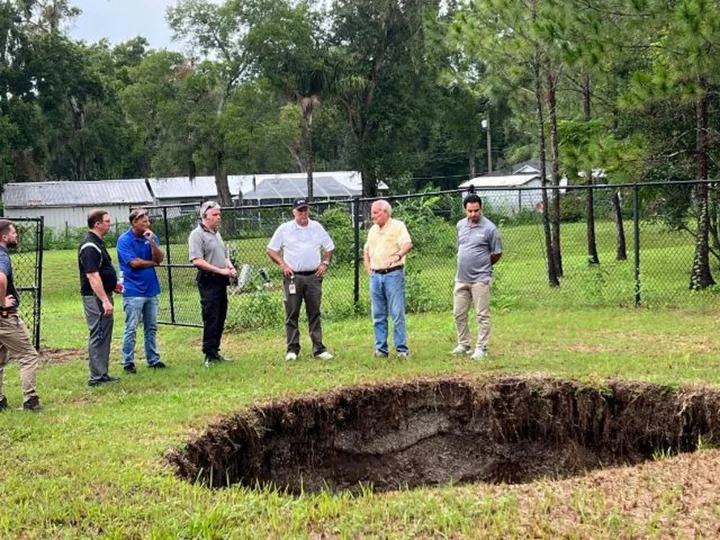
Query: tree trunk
{"points": [[471, 160], [592, 252], [621, 254], [552, 77], [80, 159], [552, 271], [221, 182], [309, 155], [701, 277]]}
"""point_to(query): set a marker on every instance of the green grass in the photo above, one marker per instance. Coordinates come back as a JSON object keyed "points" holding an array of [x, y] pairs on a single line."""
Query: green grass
{"points": [[91, 465]]}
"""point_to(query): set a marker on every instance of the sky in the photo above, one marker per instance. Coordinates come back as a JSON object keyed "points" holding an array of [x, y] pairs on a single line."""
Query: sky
{"points": [[120, 20]]}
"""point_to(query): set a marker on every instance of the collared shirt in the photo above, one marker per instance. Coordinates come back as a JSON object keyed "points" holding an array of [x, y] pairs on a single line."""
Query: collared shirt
{"points": [[139, 282], [384, 242], [208, 245], [301, 245], [6, 268], [93, 256], [476, 243]]}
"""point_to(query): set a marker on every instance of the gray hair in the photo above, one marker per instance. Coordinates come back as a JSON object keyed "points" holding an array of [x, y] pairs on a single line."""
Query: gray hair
{"points": [[382, 204]]}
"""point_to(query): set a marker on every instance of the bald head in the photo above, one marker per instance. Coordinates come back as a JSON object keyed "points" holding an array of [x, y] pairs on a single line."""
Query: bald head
{"points": [[381, 212]]}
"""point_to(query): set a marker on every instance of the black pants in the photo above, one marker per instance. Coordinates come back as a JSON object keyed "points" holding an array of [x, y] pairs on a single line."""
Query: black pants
{"points": [[309, 289], [214, 302]]}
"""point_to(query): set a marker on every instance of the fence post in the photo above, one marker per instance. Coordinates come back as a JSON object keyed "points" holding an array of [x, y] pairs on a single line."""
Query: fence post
{"points": [[356, 230], [38, 278], [169, 266], [636, 225]]}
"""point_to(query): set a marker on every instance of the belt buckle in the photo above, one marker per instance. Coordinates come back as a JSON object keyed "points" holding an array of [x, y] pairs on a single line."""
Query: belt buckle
{"points": [[4, 313]]}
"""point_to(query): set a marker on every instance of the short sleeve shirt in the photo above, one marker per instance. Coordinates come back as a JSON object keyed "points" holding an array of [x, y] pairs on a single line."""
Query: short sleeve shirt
{"points": [[6, 268], [138, 282], [476, 242], [207, 245], [301, 245], [386, 241], [93, 257]]}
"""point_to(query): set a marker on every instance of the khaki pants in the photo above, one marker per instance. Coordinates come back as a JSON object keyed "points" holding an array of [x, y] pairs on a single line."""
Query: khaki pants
{"points": [[477, 295], [15, 345]]}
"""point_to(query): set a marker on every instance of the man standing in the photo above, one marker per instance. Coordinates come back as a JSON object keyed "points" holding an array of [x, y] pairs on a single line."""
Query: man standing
{"points": [[98, 280], [479, 248], [207, 252], [139, 254], [384, 258], [14, 336], [300, 241]]}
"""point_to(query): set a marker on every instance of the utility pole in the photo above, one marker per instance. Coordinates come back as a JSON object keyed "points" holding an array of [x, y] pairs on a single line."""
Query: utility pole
{"points": [[486, 125]]}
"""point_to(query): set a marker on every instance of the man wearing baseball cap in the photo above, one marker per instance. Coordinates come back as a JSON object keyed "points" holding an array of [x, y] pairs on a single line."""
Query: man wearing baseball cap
{"points": [[302, 249], [208, 254]]}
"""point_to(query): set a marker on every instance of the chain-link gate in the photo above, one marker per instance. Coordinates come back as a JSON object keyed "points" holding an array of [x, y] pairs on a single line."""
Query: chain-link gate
{"points": [[27, 263]]}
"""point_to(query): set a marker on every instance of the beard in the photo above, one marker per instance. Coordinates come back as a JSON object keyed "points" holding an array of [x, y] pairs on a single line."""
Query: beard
{"points": [[12, 243]]}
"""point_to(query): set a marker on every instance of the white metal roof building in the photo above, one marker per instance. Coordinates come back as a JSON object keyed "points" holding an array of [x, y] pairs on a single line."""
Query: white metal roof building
{"points": [[66, 204], [283, 188], [511, 201]]}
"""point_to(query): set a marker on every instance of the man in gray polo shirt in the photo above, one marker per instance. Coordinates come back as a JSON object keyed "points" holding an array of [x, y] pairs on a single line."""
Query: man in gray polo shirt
{"points": [[301, 241], [479, 248], [214, 269]]}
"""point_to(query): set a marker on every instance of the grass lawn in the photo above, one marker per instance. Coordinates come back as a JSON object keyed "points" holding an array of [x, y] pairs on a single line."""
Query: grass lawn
{"points": [[92, 464]]}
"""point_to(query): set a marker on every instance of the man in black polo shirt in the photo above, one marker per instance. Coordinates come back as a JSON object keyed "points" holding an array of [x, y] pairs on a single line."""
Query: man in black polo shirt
{"points": [[98, 280], [15, 341]]}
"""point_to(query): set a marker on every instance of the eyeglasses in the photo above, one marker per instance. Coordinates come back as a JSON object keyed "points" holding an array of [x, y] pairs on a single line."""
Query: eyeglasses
{"points": [[135, 216]]}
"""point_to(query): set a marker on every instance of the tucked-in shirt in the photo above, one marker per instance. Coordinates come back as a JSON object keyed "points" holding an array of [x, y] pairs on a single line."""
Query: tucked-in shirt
{"points": [[6, 268], [301, 245], [386, 241], [476, 242], [138, 282], [93, 256], [208, 245]]}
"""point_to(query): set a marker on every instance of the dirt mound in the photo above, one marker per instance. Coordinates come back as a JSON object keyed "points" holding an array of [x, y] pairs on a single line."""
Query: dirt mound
{"points": [[506, 429]]}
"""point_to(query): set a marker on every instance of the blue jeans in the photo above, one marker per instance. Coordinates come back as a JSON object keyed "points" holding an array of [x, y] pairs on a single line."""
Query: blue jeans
{"points": [[387, 291], [137, 308]]}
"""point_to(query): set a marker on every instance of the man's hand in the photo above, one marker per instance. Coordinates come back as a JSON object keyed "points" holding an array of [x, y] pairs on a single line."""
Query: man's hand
{"points": [[320, 272], [148, 234], [232, 272], [10, 301], [288, 270], [119, 288], [107, 308]]}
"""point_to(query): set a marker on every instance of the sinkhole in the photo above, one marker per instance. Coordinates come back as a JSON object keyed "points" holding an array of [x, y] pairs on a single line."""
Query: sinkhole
{"points": [[428, 432]]}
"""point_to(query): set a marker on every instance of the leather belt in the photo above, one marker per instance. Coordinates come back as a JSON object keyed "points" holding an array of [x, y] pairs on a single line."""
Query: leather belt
{"points": [[307, 273], [388, 270], [5, 313]]}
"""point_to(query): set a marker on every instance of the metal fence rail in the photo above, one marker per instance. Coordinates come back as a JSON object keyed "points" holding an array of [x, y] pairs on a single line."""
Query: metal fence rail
{"points": [[657, 223]]}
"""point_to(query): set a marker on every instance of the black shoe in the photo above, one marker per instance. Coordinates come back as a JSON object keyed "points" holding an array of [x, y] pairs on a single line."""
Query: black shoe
{"points": [[3, 404], [130, 368], [158, 365], [95, 382], [33, 404], [219, 358], [209, 360], [110, 379]]}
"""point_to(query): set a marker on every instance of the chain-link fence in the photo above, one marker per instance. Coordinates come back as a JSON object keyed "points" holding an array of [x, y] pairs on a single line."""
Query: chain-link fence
{"points": [[642, 253], [27, 272]]}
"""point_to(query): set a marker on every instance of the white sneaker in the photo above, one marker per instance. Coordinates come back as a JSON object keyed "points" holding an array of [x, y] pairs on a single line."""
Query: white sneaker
{"points": [[461, 349], [478, 354], [403, 355], [290, 357], [325, 355]]}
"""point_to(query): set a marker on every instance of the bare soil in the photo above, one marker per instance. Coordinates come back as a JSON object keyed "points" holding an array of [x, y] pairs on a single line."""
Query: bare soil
{"points": [[499, 430]]}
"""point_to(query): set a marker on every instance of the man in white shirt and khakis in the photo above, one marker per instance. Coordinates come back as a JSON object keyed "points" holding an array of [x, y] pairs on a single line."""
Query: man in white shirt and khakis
{"points": [[302, 249]]}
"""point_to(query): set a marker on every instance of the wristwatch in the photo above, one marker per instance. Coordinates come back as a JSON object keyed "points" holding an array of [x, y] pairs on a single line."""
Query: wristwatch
{"points": [[326, 263]]}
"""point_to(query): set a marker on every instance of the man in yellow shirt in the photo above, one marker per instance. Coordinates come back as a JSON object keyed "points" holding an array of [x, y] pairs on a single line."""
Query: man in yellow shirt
{"points": [[388, 243]]}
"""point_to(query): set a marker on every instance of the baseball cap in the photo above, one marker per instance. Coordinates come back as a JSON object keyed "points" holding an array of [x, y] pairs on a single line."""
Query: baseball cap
{"points": [[302, 202]]}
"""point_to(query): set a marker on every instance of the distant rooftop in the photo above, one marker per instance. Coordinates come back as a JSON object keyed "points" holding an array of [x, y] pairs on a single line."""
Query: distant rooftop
{"points": [[85, 193]]}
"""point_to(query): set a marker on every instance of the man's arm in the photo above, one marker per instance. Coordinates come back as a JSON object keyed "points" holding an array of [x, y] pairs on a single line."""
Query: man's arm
{"points": [[327, 258], [97, 286], [287, 270], [366, 261], [202, 264], [395, 258], [157, 254], [9, 301]]}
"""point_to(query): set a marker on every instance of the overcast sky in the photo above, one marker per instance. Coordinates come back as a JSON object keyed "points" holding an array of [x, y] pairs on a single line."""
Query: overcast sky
{"points": [[120, 20]]}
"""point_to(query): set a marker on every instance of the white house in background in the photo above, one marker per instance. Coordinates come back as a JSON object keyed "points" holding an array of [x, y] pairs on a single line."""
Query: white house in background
{"points": [[66, 204], [497, 193]]}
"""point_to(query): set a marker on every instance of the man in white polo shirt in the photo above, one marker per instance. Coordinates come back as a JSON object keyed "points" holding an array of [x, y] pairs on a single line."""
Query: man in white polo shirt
{"points": [[307, 250]]}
